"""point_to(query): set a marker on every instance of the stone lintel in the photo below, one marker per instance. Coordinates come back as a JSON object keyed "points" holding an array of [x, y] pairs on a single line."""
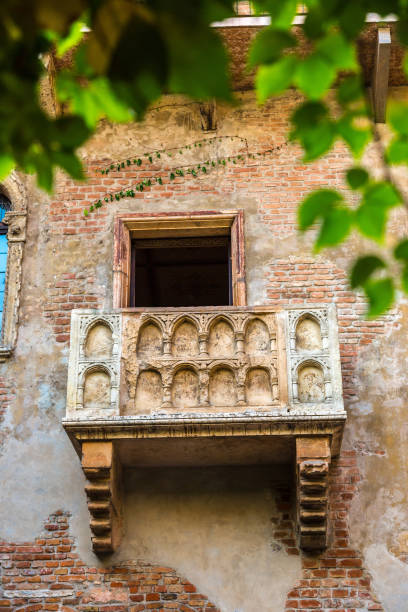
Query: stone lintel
{"points": [[312, 472]]}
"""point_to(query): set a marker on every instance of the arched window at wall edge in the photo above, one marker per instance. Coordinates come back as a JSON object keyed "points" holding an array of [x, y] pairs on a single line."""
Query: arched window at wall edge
{"points": [[5, 206]]}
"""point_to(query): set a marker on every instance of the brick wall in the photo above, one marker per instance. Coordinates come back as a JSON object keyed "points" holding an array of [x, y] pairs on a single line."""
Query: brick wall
{"points": [[47, 574]]}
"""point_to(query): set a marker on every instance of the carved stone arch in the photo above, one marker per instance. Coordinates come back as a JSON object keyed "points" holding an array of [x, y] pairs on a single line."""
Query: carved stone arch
{"points": [[149, 389], [311, 378], [213, 320], [153, 346], [308, 333], [189, 345], [97, 383], [14, 188], [258, 386], [185, 386], [190, 318], [223, 385], [149, 318], [261, 338], [221, 341]]}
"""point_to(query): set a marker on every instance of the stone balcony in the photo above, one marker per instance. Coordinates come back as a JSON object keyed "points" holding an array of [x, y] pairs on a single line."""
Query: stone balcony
{"points": [[205, 386]]}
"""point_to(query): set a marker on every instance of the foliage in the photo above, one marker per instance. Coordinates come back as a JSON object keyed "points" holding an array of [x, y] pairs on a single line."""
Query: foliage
{"points": [[123, 54]]}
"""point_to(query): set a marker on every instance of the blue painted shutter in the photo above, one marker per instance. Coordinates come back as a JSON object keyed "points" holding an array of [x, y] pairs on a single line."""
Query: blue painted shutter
{"points": [[3, 265]]}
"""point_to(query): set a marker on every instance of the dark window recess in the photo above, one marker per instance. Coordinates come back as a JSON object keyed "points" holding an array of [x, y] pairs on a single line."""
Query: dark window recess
{"points": [[181, 272]]}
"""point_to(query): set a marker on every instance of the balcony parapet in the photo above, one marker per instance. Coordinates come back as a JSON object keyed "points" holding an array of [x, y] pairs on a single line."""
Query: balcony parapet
{"points": [[205, 386]]}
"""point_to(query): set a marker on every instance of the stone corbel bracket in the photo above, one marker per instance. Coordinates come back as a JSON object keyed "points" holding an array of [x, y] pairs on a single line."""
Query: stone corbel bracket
{"points": [[102, 469], [312, 473]]}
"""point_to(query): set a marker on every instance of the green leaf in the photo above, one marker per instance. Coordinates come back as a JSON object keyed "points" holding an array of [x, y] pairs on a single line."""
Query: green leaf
{"points": [[274, 79], [337, 51], [397, 116], [70, 163], [335, 227], [372, 220], [355, 137], [316, 205], [314, 76], [357, 177], [382, 193], [397, 152], [363, 268], [372, 214], [313, 128], [401, 250], [7, 164], [74, 36], [349, 90], [380, 295], [404, 278], [282, 12], [268, 46]]}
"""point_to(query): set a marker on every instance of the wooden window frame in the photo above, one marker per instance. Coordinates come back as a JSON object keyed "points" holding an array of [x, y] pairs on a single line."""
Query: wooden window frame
{"points": [[177, 225]]}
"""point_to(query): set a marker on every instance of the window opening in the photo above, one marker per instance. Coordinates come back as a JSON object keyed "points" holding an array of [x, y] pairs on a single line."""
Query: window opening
{"points": [[176, 272], [5, 205]]}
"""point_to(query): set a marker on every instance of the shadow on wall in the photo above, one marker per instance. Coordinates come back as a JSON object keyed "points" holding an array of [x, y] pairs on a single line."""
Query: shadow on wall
{"points": [[216, 526]]}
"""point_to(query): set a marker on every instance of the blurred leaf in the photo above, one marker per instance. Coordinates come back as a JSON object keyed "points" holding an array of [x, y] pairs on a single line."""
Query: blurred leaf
{"points": [[274, 79], [356, 138], [74, 36], [316, 205], [363, 268], [71, 131], [397, 152], [350, 90], [357, 177], [404, 278], [7, 164], [92, 100], [382, 193], [401, 250], [314, 76], [268, 45], [337, 51], [397, 116], [372, 214], [380, 294], [335, 227], [313, 128], [70, 163], [282, 12]]}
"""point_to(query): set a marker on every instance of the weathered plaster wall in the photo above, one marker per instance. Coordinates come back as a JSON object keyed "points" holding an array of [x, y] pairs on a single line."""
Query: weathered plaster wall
{"points": [[213, 528]]}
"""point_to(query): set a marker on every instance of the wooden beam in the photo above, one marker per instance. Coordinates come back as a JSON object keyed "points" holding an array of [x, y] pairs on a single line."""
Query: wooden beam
{"points": [[379, 86]]}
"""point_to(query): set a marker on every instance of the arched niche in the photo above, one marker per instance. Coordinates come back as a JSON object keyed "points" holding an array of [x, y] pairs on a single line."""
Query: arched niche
{"points": [[150, 340], [222, 390], [99, 342], [308, 335], [221, 342], [185, 389], [311, 383], [185, 340], [257, 338], [97, 390], [258, 390], [149, 390]]}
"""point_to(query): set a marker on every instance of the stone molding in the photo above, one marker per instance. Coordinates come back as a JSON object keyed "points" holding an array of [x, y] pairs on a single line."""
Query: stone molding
{"points": [[16, 220]]}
